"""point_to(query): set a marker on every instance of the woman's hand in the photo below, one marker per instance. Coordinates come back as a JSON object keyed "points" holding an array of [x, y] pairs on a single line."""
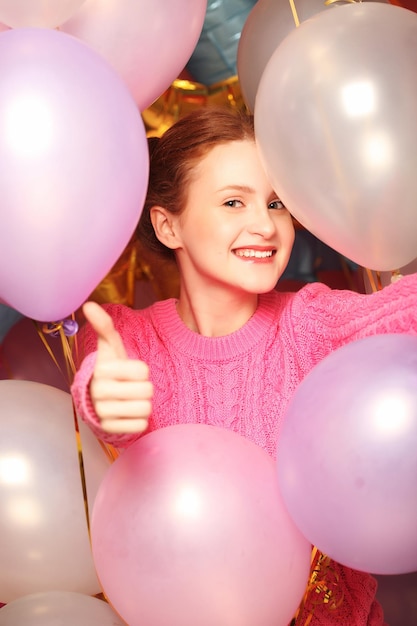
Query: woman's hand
{"points": [[120, 388]]}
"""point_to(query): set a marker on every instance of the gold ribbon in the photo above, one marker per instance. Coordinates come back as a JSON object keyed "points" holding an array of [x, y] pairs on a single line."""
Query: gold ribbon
{"points": [[119, 284]]}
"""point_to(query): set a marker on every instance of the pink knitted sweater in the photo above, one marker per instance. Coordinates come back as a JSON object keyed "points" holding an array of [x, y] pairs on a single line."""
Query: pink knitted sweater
{"points": [[244, 381]]}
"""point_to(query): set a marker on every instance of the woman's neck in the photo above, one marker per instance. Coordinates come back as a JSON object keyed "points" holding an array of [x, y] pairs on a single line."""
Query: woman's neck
{"points": [[215, 314]]}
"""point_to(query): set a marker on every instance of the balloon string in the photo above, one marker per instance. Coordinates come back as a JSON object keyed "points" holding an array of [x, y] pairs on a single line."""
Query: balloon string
{"points": [[59, 329], [294, 13], [326, 3], [374, 286], [50, 352], [66, 330], [82, 469], [70, 347]]}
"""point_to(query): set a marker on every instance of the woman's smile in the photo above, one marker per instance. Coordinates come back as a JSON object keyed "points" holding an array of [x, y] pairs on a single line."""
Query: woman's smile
{"points": [[255, 254]]}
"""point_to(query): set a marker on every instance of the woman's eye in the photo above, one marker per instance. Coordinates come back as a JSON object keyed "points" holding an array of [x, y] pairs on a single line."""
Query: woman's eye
{"points": [[276, 204], [233, 203]]}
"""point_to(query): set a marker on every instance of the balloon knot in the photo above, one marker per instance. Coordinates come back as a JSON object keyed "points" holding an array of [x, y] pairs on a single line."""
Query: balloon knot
{"points": [[68, 326]]}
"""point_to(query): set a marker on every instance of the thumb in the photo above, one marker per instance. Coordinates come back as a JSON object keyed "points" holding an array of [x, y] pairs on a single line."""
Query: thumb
{"points": [[109, 342]]}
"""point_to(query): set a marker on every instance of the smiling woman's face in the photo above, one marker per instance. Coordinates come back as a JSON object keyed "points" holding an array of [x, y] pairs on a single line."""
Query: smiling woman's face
{"points": [[234, 232]]}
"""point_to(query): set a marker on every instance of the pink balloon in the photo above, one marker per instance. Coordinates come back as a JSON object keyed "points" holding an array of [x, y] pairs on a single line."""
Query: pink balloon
{"points": [[188, 528], [348, 453], [148, 43], [24, 356], [73, 171]]}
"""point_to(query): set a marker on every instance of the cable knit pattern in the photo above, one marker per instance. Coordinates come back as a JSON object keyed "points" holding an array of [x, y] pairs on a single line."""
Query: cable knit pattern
{"points": [[244, 381]]}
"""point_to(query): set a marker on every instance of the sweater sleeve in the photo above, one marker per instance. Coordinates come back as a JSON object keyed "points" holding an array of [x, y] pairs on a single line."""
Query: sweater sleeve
{"points": [[325, 319], [127, 323]]}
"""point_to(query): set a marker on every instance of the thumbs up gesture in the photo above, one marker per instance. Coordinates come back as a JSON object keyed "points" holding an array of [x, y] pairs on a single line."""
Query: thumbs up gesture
{"points": [[120, 389]]}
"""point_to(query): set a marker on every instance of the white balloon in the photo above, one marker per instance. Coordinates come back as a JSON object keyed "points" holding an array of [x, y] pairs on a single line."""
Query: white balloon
{"points": [[267, 25], [58, 608], [44, 540], [336, 123]]}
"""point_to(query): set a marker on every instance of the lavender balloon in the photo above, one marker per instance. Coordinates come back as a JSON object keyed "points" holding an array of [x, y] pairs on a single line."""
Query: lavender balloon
{"points": [[73, 171], [347, 462]]}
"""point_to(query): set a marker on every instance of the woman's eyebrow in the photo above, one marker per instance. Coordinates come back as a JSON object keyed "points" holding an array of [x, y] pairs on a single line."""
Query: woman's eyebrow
{"points": [[242, 188]]}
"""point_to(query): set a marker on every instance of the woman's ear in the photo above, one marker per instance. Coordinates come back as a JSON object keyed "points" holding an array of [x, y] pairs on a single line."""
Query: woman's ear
{"points": [[163, 223]]}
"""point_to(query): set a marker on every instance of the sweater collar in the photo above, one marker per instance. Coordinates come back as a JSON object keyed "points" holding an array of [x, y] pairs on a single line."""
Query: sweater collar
{"points": [[174, 332]]}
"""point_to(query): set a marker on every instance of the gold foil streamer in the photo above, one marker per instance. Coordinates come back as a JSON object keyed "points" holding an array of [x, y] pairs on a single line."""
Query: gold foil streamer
{"points": [[184, 96], [119, 284], [322, 588], [137, 263]]}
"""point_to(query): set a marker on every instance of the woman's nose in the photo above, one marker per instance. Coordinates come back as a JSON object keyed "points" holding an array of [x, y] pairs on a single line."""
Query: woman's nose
{"points": [[262, 222]]}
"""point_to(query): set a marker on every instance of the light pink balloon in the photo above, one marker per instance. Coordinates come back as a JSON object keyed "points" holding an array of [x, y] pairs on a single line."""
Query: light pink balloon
{"points": [[348, 453], [188, 528], [39, 13], [147, 42], [73, 171], [337, 140]]}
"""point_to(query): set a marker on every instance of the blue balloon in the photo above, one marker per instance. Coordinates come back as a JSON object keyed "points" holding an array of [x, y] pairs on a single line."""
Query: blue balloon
{"points": [[215, 56]]}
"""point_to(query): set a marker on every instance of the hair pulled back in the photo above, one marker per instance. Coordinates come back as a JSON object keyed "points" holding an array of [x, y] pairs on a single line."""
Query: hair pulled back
{"points": [[174, 156]]}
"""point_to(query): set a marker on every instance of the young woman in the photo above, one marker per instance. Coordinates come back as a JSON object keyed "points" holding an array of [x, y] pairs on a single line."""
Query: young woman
{"points": [[231, 350]]}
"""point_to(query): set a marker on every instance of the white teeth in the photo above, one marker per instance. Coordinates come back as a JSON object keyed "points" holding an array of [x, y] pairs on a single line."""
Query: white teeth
{"points": [[258, 254]]}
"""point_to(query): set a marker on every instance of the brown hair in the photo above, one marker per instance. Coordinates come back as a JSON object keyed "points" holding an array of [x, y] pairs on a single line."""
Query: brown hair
{"points": [[175, 154]]}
